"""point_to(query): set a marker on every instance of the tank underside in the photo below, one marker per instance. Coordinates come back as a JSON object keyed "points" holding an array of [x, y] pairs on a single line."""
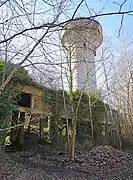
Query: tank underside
{"points": [[87, 32]]}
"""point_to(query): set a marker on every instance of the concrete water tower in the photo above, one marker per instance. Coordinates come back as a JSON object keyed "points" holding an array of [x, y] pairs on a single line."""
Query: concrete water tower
{"points": [[81, 37]]}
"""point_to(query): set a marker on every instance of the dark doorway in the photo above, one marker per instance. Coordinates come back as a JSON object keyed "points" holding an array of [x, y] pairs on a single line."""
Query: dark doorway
{"points": [[24, 100]]}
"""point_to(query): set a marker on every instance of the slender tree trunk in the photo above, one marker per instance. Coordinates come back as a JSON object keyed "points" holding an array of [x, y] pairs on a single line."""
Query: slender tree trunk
{"points": [[72, 107], [73, 141], [41, 128], [119, 130], [68, 138], [92, 126], [65, 108], [14, 130], [106, 127], [20, 132], [28, 130]]}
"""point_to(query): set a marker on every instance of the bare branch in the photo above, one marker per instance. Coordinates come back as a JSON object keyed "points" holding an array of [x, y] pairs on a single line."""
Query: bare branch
{"points": [[121, 25], [7, 129], [53, 25], [2, 87], [77, 8], [4, 2], [122, 5]]}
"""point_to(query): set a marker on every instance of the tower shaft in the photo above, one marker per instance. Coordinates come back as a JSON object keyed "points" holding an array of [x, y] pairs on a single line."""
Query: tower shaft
{"points": [[83, 68], [81, 38]]}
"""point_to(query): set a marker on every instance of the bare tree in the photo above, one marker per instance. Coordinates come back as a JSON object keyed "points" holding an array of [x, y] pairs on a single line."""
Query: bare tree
{"points": [[28, 36], [30, 23]]}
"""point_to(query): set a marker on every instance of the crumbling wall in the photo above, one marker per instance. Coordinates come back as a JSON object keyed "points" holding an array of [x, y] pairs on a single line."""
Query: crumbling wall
{"points": [[37, 100]]}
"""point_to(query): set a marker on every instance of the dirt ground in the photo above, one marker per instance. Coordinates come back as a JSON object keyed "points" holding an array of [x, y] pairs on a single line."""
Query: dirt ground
{"points": [[41, 163]]}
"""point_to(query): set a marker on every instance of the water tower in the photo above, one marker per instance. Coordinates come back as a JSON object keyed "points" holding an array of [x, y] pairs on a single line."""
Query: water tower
{"points": [[81, 37]]}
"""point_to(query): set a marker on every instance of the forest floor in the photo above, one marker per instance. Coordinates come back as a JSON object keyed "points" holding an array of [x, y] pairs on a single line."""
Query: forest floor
{"points": [[41, 163]]}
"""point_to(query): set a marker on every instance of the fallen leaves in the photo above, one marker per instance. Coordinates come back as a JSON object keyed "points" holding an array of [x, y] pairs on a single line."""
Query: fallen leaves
{"points": [[102, 162]]}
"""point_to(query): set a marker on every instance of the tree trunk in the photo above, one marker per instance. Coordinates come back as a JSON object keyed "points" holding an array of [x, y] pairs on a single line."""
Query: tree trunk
{"points": [[67, 132], [20, 132], [14, 130], [73, 142], [17, 134], [41, 127], [106, 126], [28, 130]]}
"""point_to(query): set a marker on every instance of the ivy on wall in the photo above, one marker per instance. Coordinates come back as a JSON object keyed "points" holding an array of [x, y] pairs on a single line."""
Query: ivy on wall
{"points": [[7, 101], [54, 100]]}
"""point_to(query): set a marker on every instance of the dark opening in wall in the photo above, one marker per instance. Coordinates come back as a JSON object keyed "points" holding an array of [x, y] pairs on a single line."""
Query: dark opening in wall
{"points": [[22, 116], [24, 100]]}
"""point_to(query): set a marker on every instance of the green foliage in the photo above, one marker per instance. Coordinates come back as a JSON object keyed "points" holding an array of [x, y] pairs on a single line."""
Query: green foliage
{"points": [[55, 103], [1, 64], [85, 103], [21, 77], [7, 103], [55, 100], [82, 103]]}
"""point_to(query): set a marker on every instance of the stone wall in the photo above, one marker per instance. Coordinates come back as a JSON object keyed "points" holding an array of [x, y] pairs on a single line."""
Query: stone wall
{"points": [[38, 105]]}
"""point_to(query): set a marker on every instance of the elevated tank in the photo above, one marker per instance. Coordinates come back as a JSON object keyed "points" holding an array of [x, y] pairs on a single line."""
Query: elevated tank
{"points": [[81, 37]]}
